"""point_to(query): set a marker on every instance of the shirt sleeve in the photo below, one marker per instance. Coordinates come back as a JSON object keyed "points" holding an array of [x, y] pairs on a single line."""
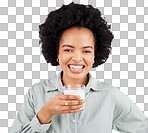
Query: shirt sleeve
{"points": [[26, 120], [127, 116]]}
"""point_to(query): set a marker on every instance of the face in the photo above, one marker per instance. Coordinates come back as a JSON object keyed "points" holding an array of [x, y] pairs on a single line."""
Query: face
{"points": [[76, 52]]}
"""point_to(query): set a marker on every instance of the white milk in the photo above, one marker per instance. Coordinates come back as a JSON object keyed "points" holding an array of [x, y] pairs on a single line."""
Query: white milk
{"points": [[81, 93], [75, 91]]}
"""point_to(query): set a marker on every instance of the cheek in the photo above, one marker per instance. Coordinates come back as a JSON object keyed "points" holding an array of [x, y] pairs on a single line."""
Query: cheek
{"points": [[89, 59], [63, 57], [91, 62]]}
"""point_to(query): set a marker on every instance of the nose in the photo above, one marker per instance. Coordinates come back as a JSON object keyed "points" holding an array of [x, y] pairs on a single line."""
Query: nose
{"points": [[77, 56]]}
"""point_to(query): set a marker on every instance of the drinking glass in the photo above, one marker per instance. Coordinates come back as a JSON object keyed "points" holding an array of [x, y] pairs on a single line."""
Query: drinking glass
{"points": [[75, 89]]}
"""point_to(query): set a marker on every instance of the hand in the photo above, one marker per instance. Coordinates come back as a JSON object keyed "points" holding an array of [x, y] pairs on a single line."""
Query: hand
{"points": [[56, 105]]}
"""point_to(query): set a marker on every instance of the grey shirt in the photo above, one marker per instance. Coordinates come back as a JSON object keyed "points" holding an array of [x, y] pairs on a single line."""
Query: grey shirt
{"points": [[106, 108]]}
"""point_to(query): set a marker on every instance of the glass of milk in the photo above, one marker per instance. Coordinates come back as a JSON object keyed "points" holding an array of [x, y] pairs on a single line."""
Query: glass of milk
{"points": [[75, 89]]}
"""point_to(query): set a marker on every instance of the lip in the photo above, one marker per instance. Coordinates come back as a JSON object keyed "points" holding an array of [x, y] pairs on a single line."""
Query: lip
{"points": [[76, 71], [77, 64]]}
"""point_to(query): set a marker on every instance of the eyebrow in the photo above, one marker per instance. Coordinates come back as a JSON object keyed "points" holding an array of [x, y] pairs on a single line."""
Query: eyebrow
{"points": [[66, 45]]}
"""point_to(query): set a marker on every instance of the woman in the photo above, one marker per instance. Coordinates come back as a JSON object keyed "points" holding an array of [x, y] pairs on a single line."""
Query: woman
{"points": [[77, 38]]}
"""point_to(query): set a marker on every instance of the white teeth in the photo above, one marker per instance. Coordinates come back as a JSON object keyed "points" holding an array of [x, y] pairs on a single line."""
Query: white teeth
{"points": [[76, 67]]}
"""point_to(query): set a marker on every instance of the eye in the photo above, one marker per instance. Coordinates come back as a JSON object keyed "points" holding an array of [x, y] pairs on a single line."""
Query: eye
{"points": [[68, 50], [86, 51]]}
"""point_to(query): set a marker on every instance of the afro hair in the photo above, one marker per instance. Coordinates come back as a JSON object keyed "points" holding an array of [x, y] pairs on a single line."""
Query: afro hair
{"points": [[75, 15]]}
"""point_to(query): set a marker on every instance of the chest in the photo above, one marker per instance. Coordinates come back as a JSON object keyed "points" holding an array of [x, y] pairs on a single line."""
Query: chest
{"points": [[96, 117]]}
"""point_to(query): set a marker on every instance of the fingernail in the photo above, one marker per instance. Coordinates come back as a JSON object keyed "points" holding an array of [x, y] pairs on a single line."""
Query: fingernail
{"points": [[79, 97], [82, 101]]}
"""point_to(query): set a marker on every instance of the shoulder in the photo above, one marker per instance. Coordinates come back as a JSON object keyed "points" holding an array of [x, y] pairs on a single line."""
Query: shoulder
{"points": [[119, 96], [122, 103], [42, 86], [103, 86]]}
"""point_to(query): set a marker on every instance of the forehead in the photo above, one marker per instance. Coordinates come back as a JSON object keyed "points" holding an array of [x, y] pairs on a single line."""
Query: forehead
{"points": [[77, 36]]}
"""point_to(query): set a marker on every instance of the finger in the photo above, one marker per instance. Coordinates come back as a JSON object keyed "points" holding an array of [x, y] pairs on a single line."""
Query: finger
{"points": [[72, 111], [69, 111], [72, 102], [69, 97], [72, 107]]}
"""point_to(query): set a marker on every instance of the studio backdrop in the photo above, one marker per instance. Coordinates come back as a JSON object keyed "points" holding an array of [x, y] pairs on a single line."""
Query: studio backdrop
{"points": [[22, 64]]}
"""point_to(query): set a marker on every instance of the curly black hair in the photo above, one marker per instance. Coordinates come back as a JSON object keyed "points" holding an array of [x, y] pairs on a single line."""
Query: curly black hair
{"points": [[75, 15]]}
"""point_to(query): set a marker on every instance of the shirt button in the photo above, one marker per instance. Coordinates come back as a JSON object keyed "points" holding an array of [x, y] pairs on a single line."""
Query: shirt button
{"points": [[73, 120]]}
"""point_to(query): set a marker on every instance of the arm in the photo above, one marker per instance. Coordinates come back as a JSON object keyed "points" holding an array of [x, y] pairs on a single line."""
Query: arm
{"points": [[29, 121], [127, 116], [26, 120]]}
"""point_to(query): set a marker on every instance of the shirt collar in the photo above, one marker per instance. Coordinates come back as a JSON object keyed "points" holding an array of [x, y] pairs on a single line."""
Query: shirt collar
{"points": [[55, 83]]}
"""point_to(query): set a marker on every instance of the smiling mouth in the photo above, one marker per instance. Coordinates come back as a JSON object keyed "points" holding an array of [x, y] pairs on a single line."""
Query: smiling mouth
{"points": [[74, 67]]}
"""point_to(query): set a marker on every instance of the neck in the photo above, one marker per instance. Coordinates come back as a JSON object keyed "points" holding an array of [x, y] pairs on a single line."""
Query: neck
{"points": [[68, 81]]}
